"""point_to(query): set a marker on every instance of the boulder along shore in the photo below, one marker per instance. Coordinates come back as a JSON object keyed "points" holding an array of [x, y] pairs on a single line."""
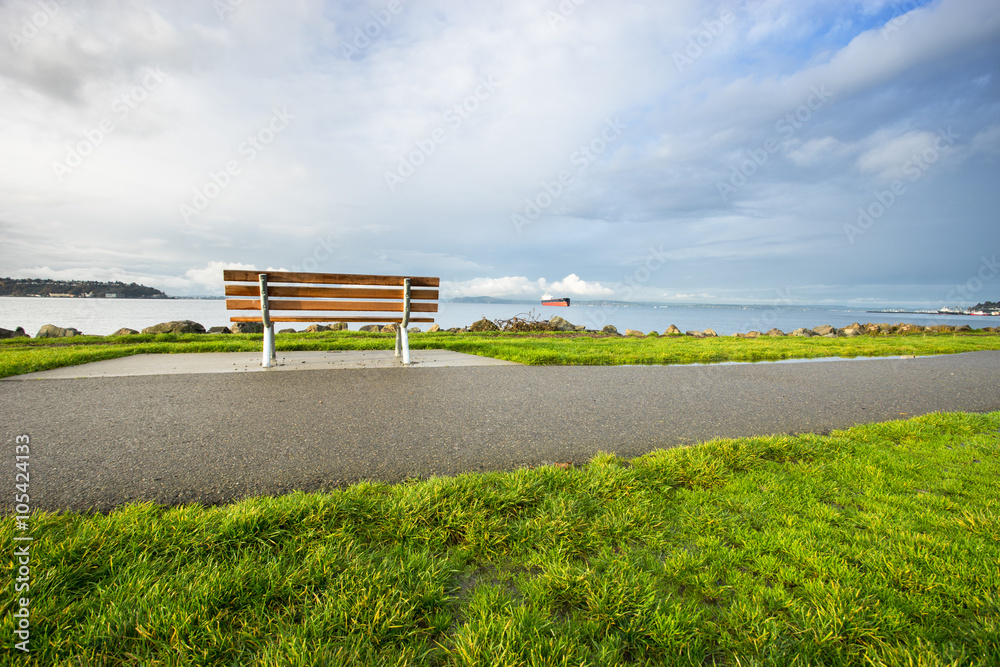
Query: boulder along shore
{"points": [[555, 324]]}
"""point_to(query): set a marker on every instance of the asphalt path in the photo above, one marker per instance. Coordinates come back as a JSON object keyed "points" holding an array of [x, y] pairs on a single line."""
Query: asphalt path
{"points": [[212, 438]]}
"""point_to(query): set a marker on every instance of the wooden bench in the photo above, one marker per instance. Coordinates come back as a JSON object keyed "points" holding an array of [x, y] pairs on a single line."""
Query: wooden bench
{"points": [[309, 295]]}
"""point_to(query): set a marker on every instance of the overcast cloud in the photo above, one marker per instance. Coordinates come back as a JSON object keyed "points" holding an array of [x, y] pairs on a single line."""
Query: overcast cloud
{"points": [[837, 151]]}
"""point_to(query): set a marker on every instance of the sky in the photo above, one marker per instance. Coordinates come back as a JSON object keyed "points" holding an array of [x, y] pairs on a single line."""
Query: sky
{"points": [[691, 151]]}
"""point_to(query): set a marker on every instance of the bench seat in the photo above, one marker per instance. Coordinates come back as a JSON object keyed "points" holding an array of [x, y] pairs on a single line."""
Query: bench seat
{"points": [[330, 297]]}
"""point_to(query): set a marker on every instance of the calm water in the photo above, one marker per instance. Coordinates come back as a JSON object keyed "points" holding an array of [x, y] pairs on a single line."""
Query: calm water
{"points": [[104, 316]]}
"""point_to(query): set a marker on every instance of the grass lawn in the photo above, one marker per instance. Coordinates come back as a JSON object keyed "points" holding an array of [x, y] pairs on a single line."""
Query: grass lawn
{"points": [[878, 545], [24, 355]]}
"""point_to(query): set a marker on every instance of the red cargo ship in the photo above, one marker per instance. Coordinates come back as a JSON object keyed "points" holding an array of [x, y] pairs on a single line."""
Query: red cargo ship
{"points": [[549, 300]]}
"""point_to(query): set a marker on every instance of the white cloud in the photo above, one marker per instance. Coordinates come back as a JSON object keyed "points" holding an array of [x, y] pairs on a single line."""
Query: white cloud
{"points": [[987, 141], [508, 286], [519, 286], [210, 277], [815, 151], [318, 191], [572, 284], [890, 156]]}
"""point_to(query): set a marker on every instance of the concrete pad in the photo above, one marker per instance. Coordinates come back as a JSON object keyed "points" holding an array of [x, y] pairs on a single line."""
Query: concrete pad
{"points": [[246, 362]]}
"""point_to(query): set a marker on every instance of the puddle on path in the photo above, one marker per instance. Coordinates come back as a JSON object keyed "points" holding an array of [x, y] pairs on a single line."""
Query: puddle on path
{"points": [[791, 361], [799, 361]]}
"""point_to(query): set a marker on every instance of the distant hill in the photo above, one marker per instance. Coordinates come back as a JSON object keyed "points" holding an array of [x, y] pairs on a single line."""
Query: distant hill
{"points": [[76, 288], [488, 299], [537, 302]]}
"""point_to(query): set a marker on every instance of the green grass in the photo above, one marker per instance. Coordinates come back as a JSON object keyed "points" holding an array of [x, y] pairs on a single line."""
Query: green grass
{"points": [[25, 355], [878, 545]]}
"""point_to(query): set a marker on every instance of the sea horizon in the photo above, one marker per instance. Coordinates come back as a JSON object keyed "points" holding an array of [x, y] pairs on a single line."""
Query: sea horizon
{"points": [[105, 316]]}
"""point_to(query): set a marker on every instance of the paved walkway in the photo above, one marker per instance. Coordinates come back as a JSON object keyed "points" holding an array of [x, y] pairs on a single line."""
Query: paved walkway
{"points": [[246, 362], [97, 442]]}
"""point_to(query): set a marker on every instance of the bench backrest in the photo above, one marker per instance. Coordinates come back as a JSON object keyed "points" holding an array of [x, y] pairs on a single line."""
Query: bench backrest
{"points": [[330, 297]]}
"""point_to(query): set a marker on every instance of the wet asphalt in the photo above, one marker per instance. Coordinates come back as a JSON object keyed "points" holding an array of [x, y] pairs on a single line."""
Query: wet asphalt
{"points": [[96, 443]]}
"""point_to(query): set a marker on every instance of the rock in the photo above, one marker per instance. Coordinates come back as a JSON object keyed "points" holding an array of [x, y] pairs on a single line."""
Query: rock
{"points": [[457, 330], [389, 328], [52, 331], [339, 326], [559, 324], [775, 332], [802, 331], [850, 331], [750, 334], [694, 334], [653, 334], [245, 328], [370, 327], [610, 329], [709, 333], [177, 327], [964, 327], [316, 328], [633, 332], [910, 328], [16, 333], [125, 331], [484, 325], [825, 329], [413, 330], [279, 331], [214, 330], [672, 330], [433, 328]]}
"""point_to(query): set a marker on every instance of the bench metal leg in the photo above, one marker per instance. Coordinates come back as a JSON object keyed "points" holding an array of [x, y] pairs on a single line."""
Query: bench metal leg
{"points": [[269, 352], [265, 318], [404, 335], [399, 339]]}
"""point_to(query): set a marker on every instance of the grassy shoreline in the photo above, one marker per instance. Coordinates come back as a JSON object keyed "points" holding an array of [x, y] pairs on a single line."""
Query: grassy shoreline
{"points": [[25, 355], [876, 545]]}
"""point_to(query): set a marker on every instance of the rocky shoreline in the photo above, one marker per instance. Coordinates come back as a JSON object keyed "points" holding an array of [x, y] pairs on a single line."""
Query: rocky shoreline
{"points": [[555, 324]]}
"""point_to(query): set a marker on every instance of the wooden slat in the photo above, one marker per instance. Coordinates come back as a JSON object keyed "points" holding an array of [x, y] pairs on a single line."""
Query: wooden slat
{"points": [[238, 275], [349, 318], [330, 292], [361, 306]]}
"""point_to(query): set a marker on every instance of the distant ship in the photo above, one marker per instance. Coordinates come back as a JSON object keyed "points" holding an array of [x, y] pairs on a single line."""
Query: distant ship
{"points": [[549, 300]]}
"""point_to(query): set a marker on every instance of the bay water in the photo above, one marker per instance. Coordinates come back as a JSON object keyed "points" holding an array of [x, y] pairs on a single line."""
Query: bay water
{"points": [[104, 316]]}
